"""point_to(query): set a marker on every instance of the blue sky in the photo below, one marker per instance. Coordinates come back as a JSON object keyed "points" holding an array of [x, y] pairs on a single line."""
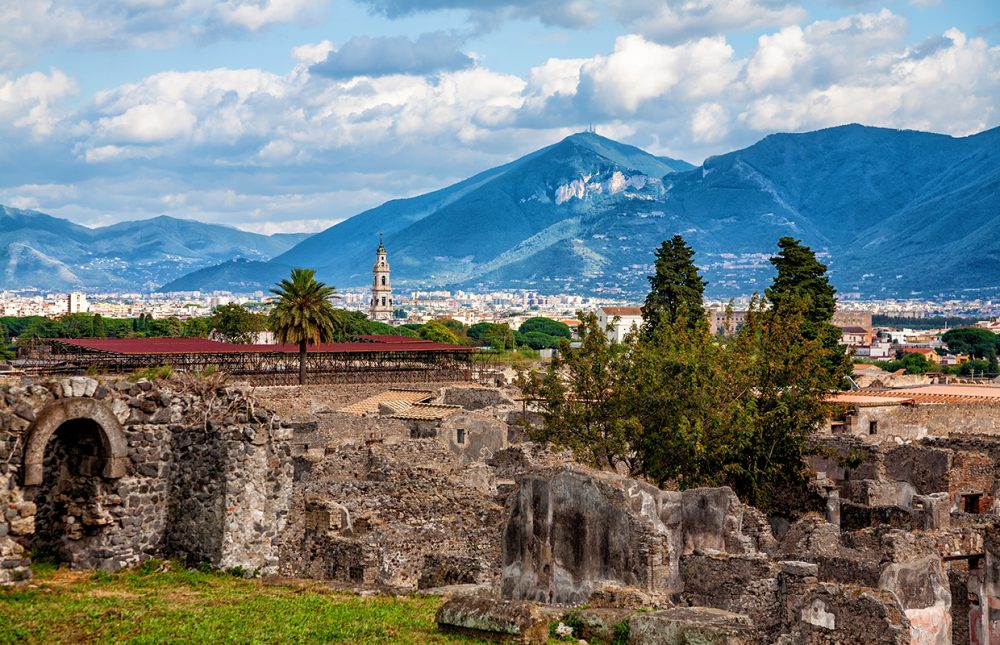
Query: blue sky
{"points": [[288, 115]]}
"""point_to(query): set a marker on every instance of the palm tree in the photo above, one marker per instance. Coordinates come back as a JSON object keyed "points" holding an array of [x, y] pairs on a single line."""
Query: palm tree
{"points": [[303, 313]]}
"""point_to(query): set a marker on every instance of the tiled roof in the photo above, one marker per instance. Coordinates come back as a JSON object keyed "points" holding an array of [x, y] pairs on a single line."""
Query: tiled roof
{"points": [[393, 398], [427, 412], [142, 346], [930, 394], [622, 311], [865, 400]]}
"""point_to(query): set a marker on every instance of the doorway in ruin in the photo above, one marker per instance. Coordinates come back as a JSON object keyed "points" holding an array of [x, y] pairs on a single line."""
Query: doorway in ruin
{"points": [[74, 454]]}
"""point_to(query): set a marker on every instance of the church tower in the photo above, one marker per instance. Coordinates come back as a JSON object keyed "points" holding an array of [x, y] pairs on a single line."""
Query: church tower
{"points": [[381, 305]]}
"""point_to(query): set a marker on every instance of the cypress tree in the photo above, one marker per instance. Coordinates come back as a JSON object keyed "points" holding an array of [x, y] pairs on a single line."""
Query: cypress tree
{"points": [[802, 287], [676, 289]]}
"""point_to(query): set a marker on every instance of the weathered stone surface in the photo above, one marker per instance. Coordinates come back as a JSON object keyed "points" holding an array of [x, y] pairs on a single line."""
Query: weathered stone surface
{"points": [[924, 593], [604, 624], [742, 584], [833, 614], [102, 489], [490, 617], [475, 398], [712, 520], [690, 625], [567, 530]]}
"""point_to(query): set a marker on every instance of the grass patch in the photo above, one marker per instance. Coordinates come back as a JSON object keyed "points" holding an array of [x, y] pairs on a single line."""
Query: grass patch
{"points": [[168, 603]]}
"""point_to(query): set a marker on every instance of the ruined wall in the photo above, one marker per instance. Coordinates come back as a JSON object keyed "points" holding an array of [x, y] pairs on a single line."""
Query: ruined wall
{"points": [[481, 435], [569, 530], [408, 514], [912, 422], [107, 474]]}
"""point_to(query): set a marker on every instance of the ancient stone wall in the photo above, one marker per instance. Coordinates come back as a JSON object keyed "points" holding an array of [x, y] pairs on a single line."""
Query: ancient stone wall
{"points": [[410, 514], [569, 530], [912, 422], [107, 474]]}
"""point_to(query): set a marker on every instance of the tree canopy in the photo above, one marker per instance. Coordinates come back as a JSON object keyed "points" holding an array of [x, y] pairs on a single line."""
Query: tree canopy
{"points": [[234, 323], [676, 288], [303, 313], [801, 291], [674, 405], [438, 332], [973, 341]]}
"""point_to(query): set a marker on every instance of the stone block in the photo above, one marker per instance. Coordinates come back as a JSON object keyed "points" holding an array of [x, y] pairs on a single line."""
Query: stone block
{"points": [[712, 519], [831, 614], [488, 617], [686, 625], [603, 624]]}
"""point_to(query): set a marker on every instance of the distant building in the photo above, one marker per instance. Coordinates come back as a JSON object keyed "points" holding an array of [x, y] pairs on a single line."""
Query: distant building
{"points": [[718, 323], [381, 304], [926, 352], [856, 336], [619, 321], [77, 303], [849, 318]]}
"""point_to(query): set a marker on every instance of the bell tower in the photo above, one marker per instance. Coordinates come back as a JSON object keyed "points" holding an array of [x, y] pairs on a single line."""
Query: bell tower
{"points": [[381, 304]]}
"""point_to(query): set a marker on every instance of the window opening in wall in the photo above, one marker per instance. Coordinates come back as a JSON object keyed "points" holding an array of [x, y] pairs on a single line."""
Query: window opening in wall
{"points": [[460, 435], [970, 502], [873, 427]]}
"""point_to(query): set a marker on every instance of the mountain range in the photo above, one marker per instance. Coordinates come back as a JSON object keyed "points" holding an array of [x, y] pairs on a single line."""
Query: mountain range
{"points": [[38, 251], [892, 212]]}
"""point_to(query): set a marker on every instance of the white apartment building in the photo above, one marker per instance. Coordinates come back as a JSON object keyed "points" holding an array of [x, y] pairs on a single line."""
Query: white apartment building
{"points": [[619, 321]]}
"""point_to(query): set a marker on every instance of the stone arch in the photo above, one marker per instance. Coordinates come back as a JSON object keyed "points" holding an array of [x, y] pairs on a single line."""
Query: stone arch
{"points": [[53, 416]]}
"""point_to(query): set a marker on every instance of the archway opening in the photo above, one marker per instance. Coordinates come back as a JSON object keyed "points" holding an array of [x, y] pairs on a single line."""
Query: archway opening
{"points": [[71, 515]]}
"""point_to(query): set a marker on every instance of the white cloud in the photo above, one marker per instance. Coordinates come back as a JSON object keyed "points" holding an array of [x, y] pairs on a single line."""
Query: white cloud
{"points": [[950, 84], [34, 101], [672, 19], [639, 70], [312, 53], [252, 15], [33, 27], [710, 123], [256, 148]]}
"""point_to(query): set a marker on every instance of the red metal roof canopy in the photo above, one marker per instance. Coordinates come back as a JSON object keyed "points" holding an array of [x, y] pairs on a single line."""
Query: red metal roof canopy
{"points": [[202, 346]]}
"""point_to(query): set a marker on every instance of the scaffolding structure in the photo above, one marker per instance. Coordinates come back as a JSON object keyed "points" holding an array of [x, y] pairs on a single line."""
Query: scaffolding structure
{"points": [[374, 360]]}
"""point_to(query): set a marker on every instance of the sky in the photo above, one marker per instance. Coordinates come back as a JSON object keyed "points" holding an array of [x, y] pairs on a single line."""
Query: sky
{"points": [[291, 115]]}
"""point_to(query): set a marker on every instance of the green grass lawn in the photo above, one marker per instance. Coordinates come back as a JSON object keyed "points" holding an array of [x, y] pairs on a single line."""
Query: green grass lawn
{"points": [[167, 603]]}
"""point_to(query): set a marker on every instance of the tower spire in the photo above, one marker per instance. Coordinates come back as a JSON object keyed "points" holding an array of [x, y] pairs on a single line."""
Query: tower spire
{"points": [[381, 303]]}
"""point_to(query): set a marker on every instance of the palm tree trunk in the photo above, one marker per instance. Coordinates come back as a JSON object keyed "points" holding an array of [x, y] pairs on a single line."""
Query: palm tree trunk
{"points": [[302, 362]]}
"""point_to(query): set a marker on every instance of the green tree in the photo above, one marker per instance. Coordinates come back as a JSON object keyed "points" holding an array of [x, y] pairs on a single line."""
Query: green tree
{"points": [[679, 407], [438, 332], [171, 326], [234, 323], [196, 328], [351, 324], [98, 329], [979, 343], [538, 340], [547, 326], [39, 327], [676, 289], [496, 335], [583, 400], [302, 313], [77, 325], [802, 290], [911, 363]]}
